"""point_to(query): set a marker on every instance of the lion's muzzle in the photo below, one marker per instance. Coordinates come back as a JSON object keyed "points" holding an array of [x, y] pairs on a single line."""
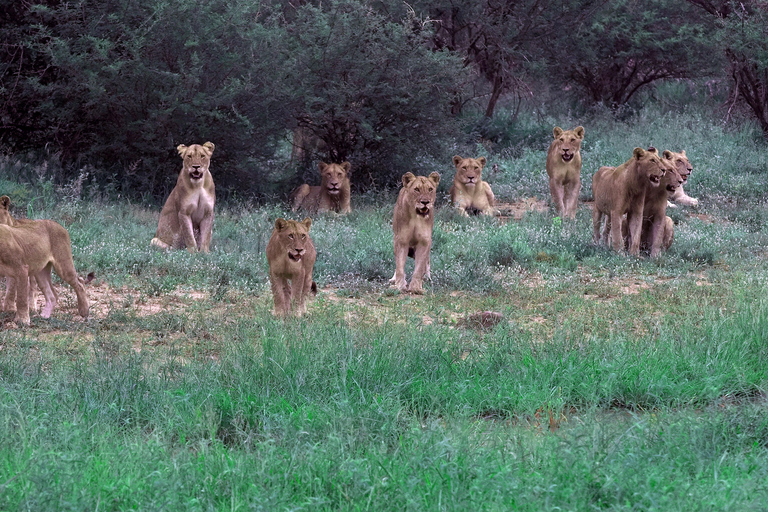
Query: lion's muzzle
{"points": [[423, 208], [196, 173], [296, 254], [566, 156]]}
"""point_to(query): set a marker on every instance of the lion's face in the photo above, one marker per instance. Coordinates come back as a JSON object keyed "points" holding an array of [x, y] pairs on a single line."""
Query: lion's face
{"points": [[293, 237], [5, 215], [681, 163], [671, 180], [651, 165], [469, 170], [196, 160], [334, 177], [421, 192], [568, 142]]}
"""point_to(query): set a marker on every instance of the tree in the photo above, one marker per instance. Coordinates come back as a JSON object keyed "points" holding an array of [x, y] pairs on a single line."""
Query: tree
{"points": [[368, 87], [627, 46]]}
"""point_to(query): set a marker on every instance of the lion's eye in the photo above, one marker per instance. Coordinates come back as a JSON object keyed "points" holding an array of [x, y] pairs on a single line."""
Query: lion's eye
{"points": [[303, 237], [416, 189], [290, 236]]}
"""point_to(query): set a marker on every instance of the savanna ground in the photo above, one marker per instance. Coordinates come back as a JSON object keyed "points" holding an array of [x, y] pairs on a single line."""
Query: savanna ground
{"points": [[600, 381]]}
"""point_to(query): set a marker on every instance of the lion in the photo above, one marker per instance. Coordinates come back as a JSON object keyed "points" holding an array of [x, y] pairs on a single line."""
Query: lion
{"points": [[564, 170], [683, 166], [32, 249], [622, 190], [657, 230], [333, 194], [469, 192], [291, 256], [187, 216], [412, 226]]}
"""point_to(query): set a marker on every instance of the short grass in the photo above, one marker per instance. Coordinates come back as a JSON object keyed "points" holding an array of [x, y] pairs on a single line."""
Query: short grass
{"points": [[610, 383]]}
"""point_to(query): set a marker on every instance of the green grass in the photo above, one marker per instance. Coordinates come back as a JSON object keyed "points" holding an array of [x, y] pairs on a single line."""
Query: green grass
{"points": [[611, 382]]}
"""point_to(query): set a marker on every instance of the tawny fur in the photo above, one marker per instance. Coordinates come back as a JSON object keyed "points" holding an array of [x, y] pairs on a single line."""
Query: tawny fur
{"points": [[412, 224], [291, 257], [683, 166], [564, 170], [333, 194], [621, 190], [187, 216], [469, 193], [33, 249], [657, 230]]}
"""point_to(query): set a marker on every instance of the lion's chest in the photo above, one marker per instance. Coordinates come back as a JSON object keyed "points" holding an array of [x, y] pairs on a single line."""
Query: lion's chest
{"points": [[197, 205]]}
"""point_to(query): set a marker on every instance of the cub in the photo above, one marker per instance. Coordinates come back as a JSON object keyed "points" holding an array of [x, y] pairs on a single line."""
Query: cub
{"points": [[412, 227], [621, 190], [291, 257], [564, 170], [187, 217], [32, 249], [683, 166], [469, 192], [333, 194]]}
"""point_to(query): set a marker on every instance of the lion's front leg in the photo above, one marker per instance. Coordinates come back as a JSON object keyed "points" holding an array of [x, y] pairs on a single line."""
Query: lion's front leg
{"points": [[206, 231], [398, 280], [298, 293], [279, 295], [634, 228], [421, 255], [187, 231], [656, 235], [597, 218], [22, 295], [617, 240], [556, 190], [571, 199]]}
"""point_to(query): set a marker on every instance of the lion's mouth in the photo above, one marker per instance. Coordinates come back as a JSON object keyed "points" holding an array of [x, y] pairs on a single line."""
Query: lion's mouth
{"points": [[196, 175], [423, 211], [567, 157], [294, 256], [671, 188], [333, 191], [654, 179]]}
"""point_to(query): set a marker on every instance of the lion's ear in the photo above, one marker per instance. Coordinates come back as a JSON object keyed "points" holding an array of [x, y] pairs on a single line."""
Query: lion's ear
{"points": [[407, 178], [434, 177], [638, 153], [667, 154], [181, 148], [579, 130], [5, 202], [347, 167], [322, 166], [210, 145], [281, 224], [682, 153], [457, 160], [557, 131], [307, 223], [482, 161]]}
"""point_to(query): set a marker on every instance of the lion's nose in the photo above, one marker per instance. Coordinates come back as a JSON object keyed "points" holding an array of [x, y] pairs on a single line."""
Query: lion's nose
{"points": [[300, 251], [195, 167]]}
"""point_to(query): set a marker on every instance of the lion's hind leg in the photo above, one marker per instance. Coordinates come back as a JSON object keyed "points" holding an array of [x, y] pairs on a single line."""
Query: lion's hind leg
{"points": [[66, 271], [43, 279]]}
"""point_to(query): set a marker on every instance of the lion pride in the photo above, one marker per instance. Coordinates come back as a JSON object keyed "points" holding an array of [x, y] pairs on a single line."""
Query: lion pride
{"points": [[291, 257], [621, 190], [469, 192], [187, 216], [564, 170], [412, 227], [333, 194]]}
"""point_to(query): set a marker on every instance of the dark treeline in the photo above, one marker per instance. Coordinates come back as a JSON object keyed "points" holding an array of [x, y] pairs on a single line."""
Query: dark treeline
{"points": [[114, 86]]}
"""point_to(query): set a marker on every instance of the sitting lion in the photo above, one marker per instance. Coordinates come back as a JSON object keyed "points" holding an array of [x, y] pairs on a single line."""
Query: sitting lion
{"points": [[469, 192], [564, 170], [683, 166], [31, 249], [332, 195], [291, 257], [412, 226], [657, 230], [187, 217], [621, 190]]}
